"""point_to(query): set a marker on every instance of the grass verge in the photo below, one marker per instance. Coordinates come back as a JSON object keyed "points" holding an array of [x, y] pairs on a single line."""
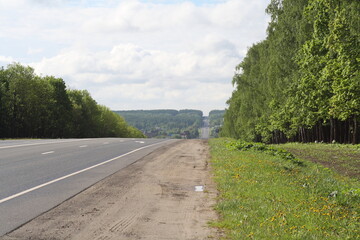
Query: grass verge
{"points": [[268, 193]]}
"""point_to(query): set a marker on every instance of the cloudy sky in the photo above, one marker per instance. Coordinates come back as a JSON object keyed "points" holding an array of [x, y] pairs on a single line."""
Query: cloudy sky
{"points": [[135, 54]]}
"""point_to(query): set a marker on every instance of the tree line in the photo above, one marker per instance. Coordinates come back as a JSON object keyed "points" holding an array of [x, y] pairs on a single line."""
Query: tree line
{"points": [[216, 120], [33, 106], [165, 123], [302, 83]]}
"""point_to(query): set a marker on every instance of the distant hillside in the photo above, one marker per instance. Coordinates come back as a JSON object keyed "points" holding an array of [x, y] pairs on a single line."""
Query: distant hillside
{"points": [[165, 123]]}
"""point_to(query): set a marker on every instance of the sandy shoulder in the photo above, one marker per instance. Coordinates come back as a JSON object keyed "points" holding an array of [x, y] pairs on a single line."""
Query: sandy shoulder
{"points": [[152, 199]]}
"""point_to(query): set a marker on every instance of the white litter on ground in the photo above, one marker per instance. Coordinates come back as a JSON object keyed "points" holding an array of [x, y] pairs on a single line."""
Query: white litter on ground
{"points": [[199, 188]]}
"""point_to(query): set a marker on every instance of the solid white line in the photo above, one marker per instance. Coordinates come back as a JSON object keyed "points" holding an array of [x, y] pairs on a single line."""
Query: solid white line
{"points": [[83, 146], [34, 144], [74, 173], [44, 153]]}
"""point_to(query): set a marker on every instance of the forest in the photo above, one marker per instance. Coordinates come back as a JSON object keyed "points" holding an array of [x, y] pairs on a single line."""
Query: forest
{"points": [[33, 106], [216, 120], [302, 83], [165, 123]]}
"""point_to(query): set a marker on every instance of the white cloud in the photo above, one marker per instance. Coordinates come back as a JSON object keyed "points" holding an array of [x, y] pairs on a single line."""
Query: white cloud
{"points": [[136, 54], [5, 60], [130, 63], [34, 50]]}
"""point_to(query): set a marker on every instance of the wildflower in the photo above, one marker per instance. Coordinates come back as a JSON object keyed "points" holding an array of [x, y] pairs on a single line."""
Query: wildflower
{"points": [[293, 228], [250, 235]]}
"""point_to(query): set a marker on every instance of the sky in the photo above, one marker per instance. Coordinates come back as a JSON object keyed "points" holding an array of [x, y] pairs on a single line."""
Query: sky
{"points": [[135, 54]]}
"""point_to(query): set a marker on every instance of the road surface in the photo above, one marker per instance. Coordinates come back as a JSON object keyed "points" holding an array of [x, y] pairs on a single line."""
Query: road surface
{"points": [[168, 194], [205, 129], [36, 175]]}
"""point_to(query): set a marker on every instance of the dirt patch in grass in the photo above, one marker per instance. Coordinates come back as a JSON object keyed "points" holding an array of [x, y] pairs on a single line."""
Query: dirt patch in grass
{"points": [[344, 160]]}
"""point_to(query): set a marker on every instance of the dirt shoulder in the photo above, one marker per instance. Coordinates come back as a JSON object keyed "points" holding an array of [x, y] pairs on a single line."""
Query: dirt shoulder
{"points": [[152, 199]]}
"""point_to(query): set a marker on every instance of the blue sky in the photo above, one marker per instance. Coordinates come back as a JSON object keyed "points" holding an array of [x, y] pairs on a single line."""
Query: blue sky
{"points": [[135, 54]]}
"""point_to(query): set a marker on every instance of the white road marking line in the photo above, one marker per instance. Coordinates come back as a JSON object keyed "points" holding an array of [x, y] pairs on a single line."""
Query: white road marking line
{"points": [[44, 153], [106, 143], [83, 146], [139, 142], [74, 173], [43, 143]]}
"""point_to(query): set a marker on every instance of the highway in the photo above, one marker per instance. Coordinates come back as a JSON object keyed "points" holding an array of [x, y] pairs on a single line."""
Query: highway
{"points": [[205, 129], [37, 175]]}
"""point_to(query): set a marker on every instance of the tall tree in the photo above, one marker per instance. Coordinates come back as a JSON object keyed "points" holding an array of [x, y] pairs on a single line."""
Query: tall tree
{"points": [[343, 66], [4, 102], [60, 108], [86, 115], [302, 82], [34, 106]]}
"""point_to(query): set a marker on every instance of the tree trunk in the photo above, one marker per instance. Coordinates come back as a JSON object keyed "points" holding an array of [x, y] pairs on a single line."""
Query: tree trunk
{"points": [[302, 137], [348, 130], [331, 130], [354, 131]]}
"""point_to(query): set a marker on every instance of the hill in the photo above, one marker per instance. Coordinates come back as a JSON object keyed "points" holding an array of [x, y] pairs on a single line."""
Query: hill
{"points": [[165, 123]]}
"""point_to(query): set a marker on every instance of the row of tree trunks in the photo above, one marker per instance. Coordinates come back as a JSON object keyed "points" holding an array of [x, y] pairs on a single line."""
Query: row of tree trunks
{"points": [[279, 137], [335, 131]]}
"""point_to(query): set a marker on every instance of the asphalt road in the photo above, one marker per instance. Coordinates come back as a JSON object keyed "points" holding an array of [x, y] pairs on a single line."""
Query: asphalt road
{"points": [[37, 175], [205, 129]]}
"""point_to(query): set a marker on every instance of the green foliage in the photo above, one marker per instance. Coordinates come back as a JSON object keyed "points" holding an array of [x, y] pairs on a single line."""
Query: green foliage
{"points": [[302, 83], [216, 121], [261, 147], [216, 117], [41, 107], [264, 196], [165, 123]]}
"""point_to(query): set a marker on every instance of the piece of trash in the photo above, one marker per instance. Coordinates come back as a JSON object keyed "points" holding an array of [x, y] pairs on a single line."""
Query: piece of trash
{"points": [[333, 194], [199, 188]]}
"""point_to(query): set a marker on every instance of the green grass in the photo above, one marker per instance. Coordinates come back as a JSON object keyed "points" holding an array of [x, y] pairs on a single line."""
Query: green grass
{"points": [[270, 194]]}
